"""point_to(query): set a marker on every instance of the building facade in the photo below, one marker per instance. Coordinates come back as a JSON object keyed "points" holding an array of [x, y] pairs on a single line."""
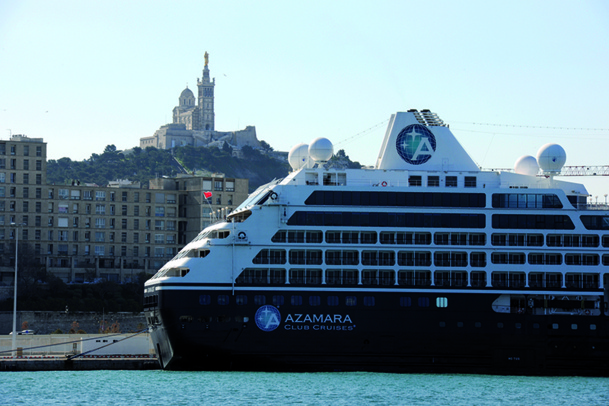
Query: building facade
{"points": [[81, 231]]}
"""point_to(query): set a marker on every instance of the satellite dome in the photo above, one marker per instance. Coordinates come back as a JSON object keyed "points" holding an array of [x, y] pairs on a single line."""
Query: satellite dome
{"points": [[551, 158], [526, 165], [321, 149], [298, 156]]}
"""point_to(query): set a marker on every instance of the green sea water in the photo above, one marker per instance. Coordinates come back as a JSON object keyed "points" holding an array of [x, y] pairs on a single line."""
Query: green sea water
{"points": [[257, 388]]}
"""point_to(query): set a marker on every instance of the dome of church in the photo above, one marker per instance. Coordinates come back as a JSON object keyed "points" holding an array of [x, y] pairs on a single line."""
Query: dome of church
{"points": [[186, 93]]}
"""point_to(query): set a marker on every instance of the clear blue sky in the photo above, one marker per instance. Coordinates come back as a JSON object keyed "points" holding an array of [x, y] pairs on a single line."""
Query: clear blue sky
{"points": [[85, 74]]}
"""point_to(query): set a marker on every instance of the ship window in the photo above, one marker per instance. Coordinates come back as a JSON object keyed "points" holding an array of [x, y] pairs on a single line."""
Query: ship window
{"points": [[592, 326], [478, 259], [204, 300], [223, 300], [535, 325], [332, 300], [459, 324], [387, 237], [368, 300], [531, 221], [370, 277], [333, 237], [433, 181], [573, 326], [441, 302], [259, 300], [451, 181], [342, 276], [442, 324], [606, 241], [386, 277], [296, 236], [470, 181], [595, 222], [241, 300], [405, 301], [555, 326], [526, 201], [270, 256], [478, 278], [314, 300], [414, 181], [499, 325], [518, 325], [314, 237], [253, 276], [477, 324], [280, 236], [278, 276], [351, 301], [296, 300], [423, 302], [278, 300]]}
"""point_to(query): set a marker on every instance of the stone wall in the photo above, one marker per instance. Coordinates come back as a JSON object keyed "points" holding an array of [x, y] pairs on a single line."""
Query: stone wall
{"points": [[43, 322]]}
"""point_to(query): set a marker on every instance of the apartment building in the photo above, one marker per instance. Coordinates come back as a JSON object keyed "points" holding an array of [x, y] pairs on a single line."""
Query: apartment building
{"points": [[80, 231]]}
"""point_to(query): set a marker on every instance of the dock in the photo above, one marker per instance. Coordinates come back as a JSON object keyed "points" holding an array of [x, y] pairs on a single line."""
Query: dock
{"points": [[85, 363], [78, 352]]}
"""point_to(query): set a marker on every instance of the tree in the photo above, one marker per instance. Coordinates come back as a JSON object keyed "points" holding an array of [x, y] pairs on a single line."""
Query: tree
{"points": [[227, 148], [265, 146], [29, 271], [110, 149]]}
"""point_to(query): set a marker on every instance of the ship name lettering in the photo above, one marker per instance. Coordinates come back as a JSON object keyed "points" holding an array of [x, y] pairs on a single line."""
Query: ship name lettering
{"points": [[318, 318]]}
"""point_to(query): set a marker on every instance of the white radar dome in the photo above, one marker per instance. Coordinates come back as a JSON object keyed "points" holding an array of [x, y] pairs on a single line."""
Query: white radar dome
{"points": [[551, 158], [298, 156], [526, 165], [321, 149]]}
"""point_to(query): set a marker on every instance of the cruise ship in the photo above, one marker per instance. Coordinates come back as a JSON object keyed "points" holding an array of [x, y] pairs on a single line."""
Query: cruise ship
{"points": [[424, 263]]}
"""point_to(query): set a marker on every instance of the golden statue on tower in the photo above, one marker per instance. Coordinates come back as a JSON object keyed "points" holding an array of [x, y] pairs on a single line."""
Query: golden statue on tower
{"points": [[206, 58]]}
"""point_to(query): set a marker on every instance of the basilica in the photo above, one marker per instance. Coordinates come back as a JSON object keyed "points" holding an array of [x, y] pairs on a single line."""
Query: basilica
{"points": [[194, 122]]}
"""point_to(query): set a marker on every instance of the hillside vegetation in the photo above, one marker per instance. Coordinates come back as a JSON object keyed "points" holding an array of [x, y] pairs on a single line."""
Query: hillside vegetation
{"points": [[144, 164]]}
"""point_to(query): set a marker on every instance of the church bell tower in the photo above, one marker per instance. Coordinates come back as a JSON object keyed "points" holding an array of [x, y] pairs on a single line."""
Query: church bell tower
{"points": [[206, 99]]}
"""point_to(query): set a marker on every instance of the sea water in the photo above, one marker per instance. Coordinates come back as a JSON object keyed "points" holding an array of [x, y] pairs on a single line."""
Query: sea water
{"points": [[118, 388]]}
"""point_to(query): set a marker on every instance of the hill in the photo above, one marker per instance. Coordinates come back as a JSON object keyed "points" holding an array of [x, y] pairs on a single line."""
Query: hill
{"points": [[141, 165], [144, 164]]}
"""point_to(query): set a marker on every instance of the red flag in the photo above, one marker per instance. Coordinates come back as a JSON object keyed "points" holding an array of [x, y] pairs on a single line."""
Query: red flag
{"points": [[207, 194]]}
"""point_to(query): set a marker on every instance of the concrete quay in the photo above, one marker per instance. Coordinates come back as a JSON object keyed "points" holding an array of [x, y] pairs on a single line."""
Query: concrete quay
{"points": [[87, 363]]}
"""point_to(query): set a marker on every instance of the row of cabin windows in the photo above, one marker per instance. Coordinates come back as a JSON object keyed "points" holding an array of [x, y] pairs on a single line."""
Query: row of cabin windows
{"points": [[551, 240], [433, 199], [430, 220], [397, 199], [387, 219], [532, 222], [315, 300], [419, 278], [545, 258], [421, 258], [526, 201], [381, 258], [439, 238]]}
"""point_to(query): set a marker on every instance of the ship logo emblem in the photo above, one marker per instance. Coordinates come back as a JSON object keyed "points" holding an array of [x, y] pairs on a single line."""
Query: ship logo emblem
{"points": [[267, 318], [415, 144]]}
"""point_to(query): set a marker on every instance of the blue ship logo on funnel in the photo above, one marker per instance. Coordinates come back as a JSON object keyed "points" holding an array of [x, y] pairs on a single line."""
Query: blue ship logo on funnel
{"points": [[415, 144]]}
